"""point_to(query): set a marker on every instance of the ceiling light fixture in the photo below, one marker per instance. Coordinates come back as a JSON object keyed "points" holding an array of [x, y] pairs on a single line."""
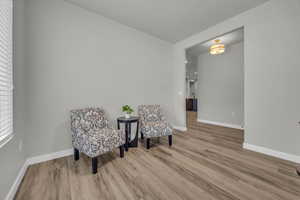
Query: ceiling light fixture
{"points": [[217, 48]]}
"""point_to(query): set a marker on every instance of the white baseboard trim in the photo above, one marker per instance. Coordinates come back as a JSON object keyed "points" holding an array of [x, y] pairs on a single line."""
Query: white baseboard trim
{"points": [[14, 188], [220, 124], [180, 128], [50, 156], [271, 152], [34, 160]]}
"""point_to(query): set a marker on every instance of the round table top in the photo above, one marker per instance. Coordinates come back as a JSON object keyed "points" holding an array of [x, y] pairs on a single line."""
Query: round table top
{"points": [[130, 119]]}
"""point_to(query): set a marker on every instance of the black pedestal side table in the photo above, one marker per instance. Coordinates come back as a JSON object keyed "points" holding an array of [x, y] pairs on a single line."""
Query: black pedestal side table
{"points": [[128, 122]]}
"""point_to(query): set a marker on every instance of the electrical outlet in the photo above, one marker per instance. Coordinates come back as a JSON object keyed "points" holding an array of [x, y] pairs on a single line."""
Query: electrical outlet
{"points": [[20, 145], [233, 114]]}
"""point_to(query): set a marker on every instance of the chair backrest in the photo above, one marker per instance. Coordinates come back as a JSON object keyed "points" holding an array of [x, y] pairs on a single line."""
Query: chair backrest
{"points": [[88, 119], [150, 113]]}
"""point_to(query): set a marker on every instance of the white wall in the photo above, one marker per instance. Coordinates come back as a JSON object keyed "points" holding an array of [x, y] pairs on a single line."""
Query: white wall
{"points": [[272, 71], [11, 156], [76, 58], [220, 86]]}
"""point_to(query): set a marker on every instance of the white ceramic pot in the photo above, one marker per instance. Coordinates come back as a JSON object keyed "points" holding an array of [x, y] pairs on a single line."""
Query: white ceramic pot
{"points": [[127, 116]]}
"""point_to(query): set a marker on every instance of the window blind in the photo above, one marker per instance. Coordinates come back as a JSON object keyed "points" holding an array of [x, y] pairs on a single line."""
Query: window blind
{"points": [[6, 73]]}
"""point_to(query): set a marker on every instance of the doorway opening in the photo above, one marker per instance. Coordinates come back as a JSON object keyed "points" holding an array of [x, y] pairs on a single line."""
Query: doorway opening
{"points": [[215, 83]]}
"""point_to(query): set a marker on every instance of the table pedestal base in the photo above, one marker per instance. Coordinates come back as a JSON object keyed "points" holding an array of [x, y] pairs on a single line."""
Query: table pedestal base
{"points": [[127, 121]]}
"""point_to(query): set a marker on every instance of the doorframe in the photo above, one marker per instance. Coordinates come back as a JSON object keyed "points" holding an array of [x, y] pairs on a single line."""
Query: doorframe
{"points": [[192, 41]]}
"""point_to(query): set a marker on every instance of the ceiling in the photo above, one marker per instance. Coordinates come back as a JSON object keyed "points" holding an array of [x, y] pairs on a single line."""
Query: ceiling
{"points": [[170, 20], [227, 39]]}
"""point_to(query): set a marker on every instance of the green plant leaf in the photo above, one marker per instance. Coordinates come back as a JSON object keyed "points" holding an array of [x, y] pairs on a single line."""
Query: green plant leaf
{"points": [[127, 109]]}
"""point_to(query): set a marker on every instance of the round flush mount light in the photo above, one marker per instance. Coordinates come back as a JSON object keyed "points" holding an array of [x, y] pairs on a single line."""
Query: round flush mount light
{"points": [[217, 48]]}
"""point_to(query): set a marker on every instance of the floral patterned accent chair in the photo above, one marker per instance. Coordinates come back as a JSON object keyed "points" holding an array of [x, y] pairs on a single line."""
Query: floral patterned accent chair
{"points": [[93, 136], [153, 123]]}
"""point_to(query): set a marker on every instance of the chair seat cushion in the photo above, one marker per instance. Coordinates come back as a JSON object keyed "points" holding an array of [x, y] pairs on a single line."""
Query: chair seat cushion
{"points": [[156, 129], [98, 142]]}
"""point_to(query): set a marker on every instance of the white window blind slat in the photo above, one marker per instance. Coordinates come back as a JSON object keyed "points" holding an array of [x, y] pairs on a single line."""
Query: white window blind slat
{"points": [[6, 75]]}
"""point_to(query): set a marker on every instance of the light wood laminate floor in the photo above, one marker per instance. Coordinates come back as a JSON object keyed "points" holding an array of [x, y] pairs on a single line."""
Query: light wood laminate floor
{"points": [[207, 162]]}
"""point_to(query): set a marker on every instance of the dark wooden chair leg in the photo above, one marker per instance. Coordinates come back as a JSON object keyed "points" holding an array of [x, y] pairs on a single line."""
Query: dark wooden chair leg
{"points": [[94, 165], [142, 136], [170, 140], [148, 143], [76, 154], [122, 151]]}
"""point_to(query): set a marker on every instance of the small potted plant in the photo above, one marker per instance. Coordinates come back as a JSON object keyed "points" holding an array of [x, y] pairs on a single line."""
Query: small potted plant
{"points": [[128, 110]]}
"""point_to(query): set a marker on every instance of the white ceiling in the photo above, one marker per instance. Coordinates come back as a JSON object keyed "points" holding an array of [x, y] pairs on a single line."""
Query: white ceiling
{"points": [[170, 20], [227, 39]]}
